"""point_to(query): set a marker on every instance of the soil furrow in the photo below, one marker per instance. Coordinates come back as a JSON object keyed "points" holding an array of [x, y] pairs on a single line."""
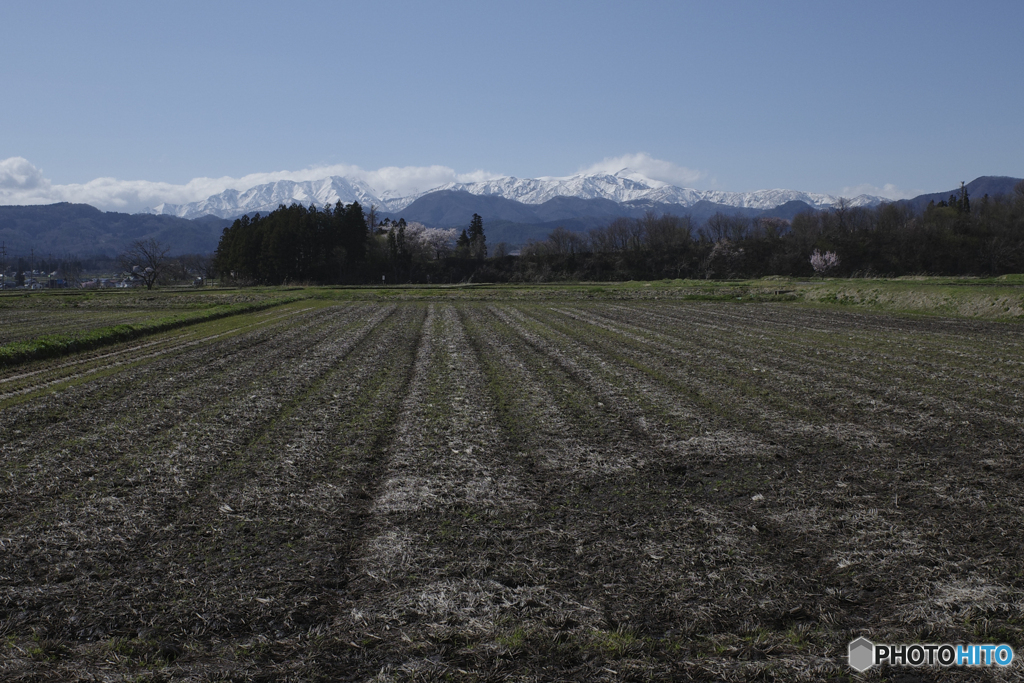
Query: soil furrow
{"points": [[486, 489], [15, 384], [136, 405], [137, 513], [852, 398]]}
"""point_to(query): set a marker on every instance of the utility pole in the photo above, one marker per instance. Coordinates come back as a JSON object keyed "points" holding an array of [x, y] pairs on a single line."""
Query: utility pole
{"points": [[3, 265]]}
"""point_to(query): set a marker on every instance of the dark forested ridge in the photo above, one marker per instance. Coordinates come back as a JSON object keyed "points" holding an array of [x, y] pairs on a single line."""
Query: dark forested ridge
{"points": [[990, 185], [86, 231], [523, 222]]}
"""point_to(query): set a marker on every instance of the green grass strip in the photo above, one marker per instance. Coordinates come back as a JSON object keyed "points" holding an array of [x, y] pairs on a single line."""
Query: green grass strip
{"points": [[55, 345]]}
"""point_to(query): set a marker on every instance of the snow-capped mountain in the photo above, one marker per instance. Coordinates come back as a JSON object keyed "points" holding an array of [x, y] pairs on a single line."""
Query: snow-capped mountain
{"points": [[265, 198], [624, 186], [618, 188], [628, 185]]}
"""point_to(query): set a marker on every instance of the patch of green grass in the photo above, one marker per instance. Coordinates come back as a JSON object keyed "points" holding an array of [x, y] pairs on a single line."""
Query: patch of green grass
{"points": [[513, 641], [991, 298], [618, 643], [54, 345], [46, 650]]}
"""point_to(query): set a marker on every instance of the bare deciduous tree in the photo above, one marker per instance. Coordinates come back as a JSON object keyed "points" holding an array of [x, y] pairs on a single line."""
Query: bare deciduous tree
{"points": [[69, 269], [567, 242], [722, 227], [667, 231], [841, 208], [198, 264], [768, 227], [601, 240], [624, 234], [146, 259]]}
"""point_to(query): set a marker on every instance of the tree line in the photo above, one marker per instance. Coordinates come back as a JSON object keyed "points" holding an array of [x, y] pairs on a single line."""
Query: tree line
{"points": [[344, 245], [957, 236], [295, 244], [340, 244]]}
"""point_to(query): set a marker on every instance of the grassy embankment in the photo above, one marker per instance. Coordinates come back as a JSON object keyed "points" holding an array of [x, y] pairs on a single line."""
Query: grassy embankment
{"points": [[999, 298], [53, 342]]}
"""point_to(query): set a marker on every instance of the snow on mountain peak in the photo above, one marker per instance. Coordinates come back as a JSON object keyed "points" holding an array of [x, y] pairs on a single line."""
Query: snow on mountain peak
{"points": [[638, 177], [623, 186]]}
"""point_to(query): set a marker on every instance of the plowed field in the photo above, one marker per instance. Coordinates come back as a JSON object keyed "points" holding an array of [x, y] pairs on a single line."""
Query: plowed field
{"points": [[426, 490], [27, 316]]}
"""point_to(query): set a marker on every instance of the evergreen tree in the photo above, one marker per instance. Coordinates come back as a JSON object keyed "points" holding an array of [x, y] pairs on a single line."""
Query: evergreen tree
{"points": [[963, 202], [392, 245], [354, 233], [463, 245], [477, 241], [476, 227], [294, 243]]}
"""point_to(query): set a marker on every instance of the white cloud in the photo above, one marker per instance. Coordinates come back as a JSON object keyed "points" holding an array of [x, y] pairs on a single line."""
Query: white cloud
{"points": [[649, 167], [17, 174], [23, 183], [393, 181], [889, 191]]}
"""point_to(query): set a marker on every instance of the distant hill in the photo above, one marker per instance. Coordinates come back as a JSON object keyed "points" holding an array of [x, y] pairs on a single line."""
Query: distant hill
{"points": [[515, 223], [86, 231], [991, 185], [452, 208]]}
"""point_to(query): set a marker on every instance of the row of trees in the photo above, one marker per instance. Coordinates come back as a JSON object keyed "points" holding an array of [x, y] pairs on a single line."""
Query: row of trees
{"points": [[958, 237], [954, 237], [339, 245], [142, 262], [295, 244], [336, 245]]}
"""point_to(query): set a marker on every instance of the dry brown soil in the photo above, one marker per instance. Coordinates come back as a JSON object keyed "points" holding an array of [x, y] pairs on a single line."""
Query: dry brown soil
{"points": [[491, 491]]}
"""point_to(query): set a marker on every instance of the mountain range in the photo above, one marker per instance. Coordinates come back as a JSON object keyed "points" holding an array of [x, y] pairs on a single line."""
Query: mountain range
{"points": [[515, 210], [622, 187]]}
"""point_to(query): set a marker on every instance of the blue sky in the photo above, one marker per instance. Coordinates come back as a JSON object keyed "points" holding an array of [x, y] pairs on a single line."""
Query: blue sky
{"points": [[120, 104]]}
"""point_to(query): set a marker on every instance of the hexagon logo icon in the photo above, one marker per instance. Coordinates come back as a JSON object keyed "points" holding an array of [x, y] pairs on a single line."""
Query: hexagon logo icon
{"points": [[862, 654]]}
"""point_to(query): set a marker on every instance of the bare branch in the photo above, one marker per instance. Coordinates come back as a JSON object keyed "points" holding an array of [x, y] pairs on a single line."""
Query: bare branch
{"points": [[145, 259]]}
